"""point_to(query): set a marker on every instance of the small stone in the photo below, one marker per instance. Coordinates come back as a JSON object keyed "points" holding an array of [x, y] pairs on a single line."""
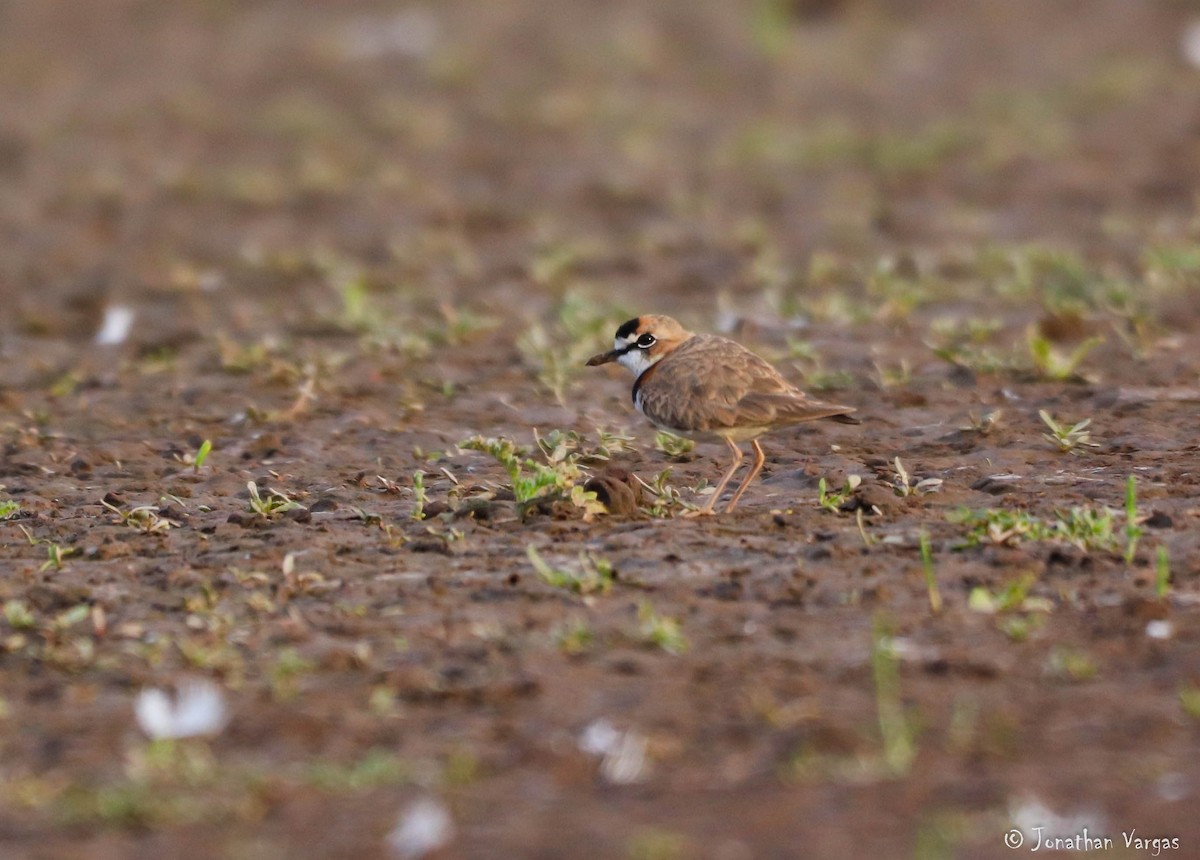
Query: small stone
{"points": [[617, 490], [1159, 520]]}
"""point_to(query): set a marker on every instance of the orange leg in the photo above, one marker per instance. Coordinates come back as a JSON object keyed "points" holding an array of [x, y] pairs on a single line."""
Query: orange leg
{"points": [[759, 459], [724, 482]]}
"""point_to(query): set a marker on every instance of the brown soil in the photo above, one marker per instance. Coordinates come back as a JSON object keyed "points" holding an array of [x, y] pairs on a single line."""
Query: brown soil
{"points": [[342, 228]]}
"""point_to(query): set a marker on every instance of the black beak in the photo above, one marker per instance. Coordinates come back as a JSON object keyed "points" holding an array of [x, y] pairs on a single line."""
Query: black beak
{"points": [[603, 357]]}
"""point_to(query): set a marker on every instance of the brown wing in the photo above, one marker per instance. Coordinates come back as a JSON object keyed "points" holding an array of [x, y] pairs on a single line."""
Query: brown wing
{"points": [[710, 383]]}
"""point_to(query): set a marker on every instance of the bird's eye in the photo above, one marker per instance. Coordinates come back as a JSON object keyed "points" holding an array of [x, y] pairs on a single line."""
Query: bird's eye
{"points": [[645, 341]]}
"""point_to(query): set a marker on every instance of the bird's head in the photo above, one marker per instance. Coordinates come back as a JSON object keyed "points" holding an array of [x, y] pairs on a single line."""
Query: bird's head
{"points": [[642, 341]]}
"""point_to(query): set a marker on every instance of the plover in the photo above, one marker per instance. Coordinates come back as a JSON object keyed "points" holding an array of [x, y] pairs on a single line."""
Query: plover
{"points": [[704, 386]]}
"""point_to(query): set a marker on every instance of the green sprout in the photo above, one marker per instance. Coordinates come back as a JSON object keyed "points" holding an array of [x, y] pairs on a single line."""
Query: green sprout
{"points": [[661, 631], [1132, 530], [575, 638], [144, 518], [559, 476], [675, 447], [931, 584], [419, 495], [1071, 664], [609, 443], [860, 521], [984, 424], [904, 486], [593, 575], [1162, 572], [275, 502], [833, 501], [1085, 527], [556, 350], [56, 554], [1018, 613], [667, 499], [201, 454], [9, 509], [895, 727], [1068, 440], [1014, 597], [1189, 699], [1049, 364], [458, 325], [18, 616]]}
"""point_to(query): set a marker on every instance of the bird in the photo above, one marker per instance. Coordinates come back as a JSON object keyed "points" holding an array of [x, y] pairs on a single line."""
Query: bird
{"points": [[704, 386]]}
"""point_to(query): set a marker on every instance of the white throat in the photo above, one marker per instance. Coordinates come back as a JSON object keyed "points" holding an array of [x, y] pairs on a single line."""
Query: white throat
{"points": [[636, 361]]}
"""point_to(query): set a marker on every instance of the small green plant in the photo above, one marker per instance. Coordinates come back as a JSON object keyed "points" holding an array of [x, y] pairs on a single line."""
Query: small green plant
{"points": [[560, 476], [419, 496], [771, 26], [458, 325], [978, 359], [998, 526], [575, 638], [1133, 531], [1019, 627], [888, 376], [358, 311], [675, 447], [275, 502], [931, 584], [593, 575], [609, 443], [68, 618], [1068, 440], [860, 521], [983, 424], [379, 767], [449, 536], [660, 631], [9, 509], [553, 264], [1085, 527], [143, 518], [656, 844], [1050, 364], [667, 500], [286, 674], [556, 350], [56, 554], [896, 729], [1162, 572], [202, 455], [18, 616], [1071, 664], [1014, 597], [556, 365], [362, 313], [901, 484], [828, 380], [561, 445], [904, 486], [833, 501], [1089, 528], [1189, 698]]}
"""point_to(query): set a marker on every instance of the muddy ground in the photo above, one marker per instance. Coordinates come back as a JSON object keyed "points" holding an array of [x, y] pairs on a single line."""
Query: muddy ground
{"points": [[353, 236]]}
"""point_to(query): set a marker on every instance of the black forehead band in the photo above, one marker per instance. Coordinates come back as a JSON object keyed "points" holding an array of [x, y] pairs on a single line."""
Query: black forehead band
{"points": [[628, 328]]}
